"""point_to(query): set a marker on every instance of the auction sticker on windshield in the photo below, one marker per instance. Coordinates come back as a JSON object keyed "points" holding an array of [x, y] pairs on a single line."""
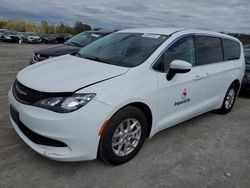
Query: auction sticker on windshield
{"points": [[153, 36]]}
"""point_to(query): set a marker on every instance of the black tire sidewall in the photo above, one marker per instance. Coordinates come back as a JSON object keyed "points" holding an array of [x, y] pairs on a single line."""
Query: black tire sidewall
{"points": [[223, 109], [105, 147]]}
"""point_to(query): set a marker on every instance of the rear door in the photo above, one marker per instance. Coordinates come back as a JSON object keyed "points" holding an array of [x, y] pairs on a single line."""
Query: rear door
{"points": [[214, 71]]}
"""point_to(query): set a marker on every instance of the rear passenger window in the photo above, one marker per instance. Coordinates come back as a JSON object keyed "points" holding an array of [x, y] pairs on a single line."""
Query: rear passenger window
{"points": [[231, 49], [209, 50]]}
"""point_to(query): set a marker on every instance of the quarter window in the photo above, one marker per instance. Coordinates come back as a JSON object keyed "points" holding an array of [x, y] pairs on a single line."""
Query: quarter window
{"points": [[231, 49], [209, 50], [183, 49]]}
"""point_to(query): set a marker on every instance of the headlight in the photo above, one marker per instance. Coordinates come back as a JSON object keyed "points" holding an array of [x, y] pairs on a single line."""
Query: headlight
{"points": [[65, 104]]}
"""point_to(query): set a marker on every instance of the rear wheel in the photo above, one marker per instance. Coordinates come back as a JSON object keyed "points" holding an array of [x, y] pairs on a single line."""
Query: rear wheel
{"points": [[229, 100], [124, 136]]}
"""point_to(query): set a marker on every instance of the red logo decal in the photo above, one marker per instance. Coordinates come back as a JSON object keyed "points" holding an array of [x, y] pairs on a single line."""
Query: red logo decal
{"points": [[184, 94]]}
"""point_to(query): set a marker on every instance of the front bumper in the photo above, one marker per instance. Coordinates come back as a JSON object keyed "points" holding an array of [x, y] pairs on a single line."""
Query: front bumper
{"points": [[78, 129]]}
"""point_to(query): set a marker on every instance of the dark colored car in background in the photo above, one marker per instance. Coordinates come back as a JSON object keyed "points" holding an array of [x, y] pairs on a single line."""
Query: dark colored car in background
{"points": [[10, 36], [62, 37], [71, 46], [246, 80], [247, 46], [48, 38]]}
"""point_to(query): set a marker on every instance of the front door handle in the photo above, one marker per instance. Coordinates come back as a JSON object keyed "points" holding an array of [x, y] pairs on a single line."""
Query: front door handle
{"points": [[198, 77]]}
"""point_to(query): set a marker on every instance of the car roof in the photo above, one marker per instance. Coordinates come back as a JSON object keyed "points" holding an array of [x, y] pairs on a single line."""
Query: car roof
{"points": [[161, 31], [170, 31]]}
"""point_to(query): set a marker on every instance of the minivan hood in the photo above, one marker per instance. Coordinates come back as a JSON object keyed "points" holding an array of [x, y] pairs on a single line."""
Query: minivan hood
{"points": [[67, 74], [57, 50]]}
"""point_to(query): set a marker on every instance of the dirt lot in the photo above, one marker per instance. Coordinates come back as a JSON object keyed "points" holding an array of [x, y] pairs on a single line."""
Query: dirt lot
{"points": [[208, 151]]}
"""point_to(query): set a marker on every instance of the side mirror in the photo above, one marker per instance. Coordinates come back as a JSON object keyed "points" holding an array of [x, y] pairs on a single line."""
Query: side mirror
{"points": [[178, 67]]}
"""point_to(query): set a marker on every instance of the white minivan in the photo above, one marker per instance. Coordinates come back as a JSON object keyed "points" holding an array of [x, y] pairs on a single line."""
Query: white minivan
{"points": [[125, 87]]}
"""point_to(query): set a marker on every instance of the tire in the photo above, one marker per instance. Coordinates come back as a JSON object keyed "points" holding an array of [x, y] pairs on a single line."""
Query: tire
{"points": [[228, 101], [115, 132]]}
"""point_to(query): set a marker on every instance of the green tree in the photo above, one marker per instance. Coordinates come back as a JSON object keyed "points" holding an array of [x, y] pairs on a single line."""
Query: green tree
{"points": [[45, 26], [68, 29], [2, 23], [60, 28], [52, 28], [80, 27]]}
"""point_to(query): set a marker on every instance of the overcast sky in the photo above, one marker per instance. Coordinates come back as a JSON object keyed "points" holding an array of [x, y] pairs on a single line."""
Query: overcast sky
{"points": [[218, 15]]}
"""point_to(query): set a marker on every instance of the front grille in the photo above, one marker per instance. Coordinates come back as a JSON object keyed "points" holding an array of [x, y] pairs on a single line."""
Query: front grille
{"points": [[29, 96], [24, 94], [34, 137]]}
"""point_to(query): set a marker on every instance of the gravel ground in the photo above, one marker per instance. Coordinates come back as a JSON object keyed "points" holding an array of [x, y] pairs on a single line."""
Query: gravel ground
{"points": [[208, 151]]}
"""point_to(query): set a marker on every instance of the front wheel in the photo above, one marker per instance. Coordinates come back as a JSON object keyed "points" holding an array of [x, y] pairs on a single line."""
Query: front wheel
{"points": [[124, 136], [229, 100]]}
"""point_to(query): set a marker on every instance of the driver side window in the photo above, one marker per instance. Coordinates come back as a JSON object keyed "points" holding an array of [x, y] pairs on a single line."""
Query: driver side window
{"points": [[183, 49]]}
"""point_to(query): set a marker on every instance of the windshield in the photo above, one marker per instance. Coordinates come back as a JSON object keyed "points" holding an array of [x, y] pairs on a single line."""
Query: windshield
{"points": [[123, 49], [83, 39], [247, 56]]}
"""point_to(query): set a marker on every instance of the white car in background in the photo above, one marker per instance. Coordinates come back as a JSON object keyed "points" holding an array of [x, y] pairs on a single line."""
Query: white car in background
{"points": [[123, 88]]}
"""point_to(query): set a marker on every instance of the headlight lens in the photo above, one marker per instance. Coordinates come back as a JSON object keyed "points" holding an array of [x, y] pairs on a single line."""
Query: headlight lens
{"points": [[65, 104]]}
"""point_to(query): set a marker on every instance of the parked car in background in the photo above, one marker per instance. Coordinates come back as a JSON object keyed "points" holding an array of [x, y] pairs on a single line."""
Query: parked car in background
{"points": [[73, 45], [1, 31], [10, 36], [21, 35], [247, 46], [246, 79], [48, 38], [123, 88], [62, 37], [30, 37]]}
